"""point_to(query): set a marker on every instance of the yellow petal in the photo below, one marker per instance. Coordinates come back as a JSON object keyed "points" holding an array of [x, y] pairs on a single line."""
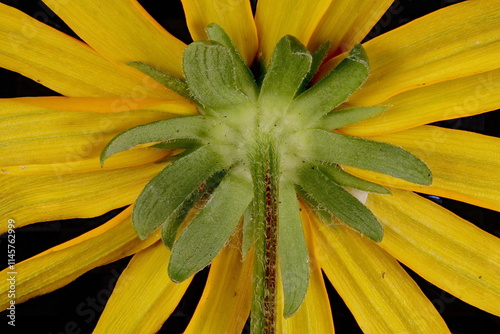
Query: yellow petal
{"points": [[234, 16], [62, 264], [444, 249], [456, 41], [347, 22], [40, 135], [465, 165], [77, 163], [144, 296], [34, 198], [450, 99], [101, 104], [277, 18], [131, 33], [225, 304], [380, 294], [314, 315], [65, 64]]}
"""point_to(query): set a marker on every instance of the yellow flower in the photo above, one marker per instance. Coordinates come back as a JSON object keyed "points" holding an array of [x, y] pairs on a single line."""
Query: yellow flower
{"points": [[442, 66]]}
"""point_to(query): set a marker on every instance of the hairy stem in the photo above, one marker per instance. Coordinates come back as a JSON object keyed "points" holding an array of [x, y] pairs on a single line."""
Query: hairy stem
{"points": [[265, 213]]}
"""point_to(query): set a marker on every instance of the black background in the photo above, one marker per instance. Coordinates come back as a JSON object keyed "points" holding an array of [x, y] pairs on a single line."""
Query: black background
{"points": [[75, 308]]}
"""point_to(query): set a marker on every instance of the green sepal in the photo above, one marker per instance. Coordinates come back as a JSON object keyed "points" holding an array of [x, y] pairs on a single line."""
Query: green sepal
{"points": [[244, 76], [289, 66], [339, 118], [211, 76], [167, 191], [179, 153], [171, 226], [177, 144], [336, 148], [339, 202], [317, 59], [205, 236], [193, 128], [177, 85], [342, 178], [313, 205], [292, 250], [334, 88]]}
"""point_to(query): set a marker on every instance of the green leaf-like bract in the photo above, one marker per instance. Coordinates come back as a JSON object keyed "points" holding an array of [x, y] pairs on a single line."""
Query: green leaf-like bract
{"points": [[174, 221], [244, 77], [339, 202], [289, 66], [339, 118], [211, 76], [339, 176], [325, 215], [336, 148], [193, 128], [292, 250], [317, 59], [204, 237], [334, 88], [167, 191], [177, 85]]}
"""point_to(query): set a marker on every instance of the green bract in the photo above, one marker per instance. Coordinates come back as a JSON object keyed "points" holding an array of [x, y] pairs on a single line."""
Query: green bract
{"points": [[251, 153]]}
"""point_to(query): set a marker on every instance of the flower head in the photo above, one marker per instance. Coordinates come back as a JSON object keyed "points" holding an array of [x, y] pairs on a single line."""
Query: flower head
{"points": [[270, 179]]}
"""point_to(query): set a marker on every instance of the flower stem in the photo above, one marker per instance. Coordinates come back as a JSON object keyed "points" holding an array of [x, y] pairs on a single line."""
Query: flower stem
{"points": [[265, 214]]}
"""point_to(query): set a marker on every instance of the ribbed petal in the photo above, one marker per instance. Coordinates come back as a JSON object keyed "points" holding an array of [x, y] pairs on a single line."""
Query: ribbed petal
{"points": [[465, 165], [131, 33], [34, 198], [144, 296], [314, 315], [380, 294], [277, 18], [60, 265], [456, 41], [450, 99], [347, 22], [102, 104], [444, 249], [65, 64], [58, 135], [225, 304], [234, 16]]}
